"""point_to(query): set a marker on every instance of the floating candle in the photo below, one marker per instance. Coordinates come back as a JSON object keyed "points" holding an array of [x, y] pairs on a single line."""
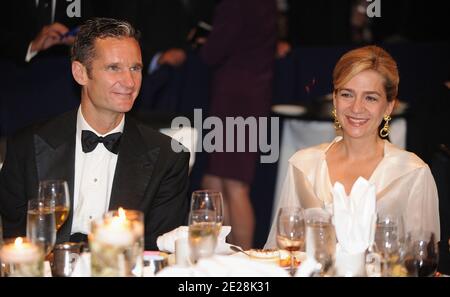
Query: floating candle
{"points": [[20, 252]]}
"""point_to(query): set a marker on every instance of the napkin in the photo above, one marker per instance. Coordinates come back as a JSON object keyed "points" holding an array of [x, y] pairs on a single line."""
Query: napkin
{"points": [[354, 216], [308, 268], [82, 266], [224, 266], [166, 242]]}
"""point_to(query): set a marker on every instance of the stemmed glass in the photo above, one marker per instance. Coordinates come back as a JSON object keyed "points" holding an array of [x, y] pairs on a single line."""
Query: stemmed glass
{"points": [[205, 220], [321, 239], [58, 191], [291, 232], [389, 240], [41, 227], [209, 199], [422, 256]]}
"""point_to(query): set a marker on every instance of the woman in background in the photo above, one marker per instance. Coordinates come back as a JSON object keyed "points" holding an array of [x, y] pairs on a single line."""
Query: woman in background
{"points": [[241, 53]]}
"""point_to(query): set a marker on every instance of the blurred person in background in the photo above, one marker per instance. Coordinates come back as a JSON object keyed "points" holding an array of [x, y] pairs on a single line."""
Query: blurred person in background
{"points": [[240, 51], [34, 28], [163, 25]]}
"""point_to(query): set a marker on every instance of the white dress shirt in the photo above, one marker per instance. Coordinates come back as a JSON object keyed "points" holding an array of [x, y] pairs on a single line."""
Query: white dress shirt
{"points": [[94, 174]]}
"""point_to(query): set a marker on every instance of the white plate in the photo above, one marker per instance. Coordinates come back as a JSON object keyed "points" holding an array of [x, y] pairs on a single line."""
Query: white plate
{"points": [[301, 255], [288, 109]]}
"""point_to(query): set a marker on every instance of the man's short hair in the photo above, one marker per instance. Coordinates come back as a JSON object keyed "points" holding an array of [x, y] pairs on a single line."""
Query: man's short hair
{"points": [[83, 49]]}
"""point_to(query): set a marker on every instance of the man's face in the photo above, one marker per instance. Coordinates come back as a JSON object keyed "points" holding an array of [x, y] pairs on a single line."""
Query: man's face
{"points": [[115, 75]]}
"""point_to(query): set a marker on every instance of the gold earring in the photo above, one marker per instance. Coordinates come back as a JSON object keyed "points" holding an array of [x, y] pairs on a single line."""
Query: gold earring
{"points": [[384, 132], [337, 125]]}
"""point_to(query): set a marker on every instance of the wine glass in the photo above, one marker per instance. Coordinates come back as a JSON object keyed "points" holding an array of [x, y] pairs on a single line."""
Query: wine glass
{"points": [[203, 234], [209, 199], [291, 232], [58, 191], [389, 241], [320, 239], [422, 256], [41, 227]]}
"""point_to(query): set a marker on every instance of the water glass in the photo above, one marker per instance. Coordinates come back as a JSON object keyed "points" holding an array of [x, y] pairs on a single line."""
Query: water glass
{"points": [[320, 239], [203, 233], [389, 240], [41, 227]]}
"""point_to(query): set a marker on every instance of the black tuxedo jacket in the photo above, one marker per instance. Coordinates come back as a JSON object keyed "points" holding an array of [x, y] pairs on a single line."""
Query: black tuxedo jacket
{"points": [[149, 175]]}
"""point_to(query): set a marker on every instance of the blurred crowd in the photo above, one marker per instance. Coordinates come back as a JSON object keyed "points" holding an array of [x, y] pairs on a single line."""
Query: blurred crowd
{"points": [[39, 27]]}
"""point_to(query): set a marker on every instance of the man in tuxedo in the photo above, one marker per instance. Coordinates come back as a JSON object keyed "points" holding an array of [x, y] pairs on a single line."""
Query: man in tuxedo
{"points": [[108, 158]]}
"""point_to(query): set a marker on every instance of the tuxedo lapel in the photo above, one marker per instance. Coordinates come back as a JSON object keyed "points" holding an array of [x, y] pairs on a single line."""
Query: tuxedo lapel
{"points": [[134, 168], [54, 144]]}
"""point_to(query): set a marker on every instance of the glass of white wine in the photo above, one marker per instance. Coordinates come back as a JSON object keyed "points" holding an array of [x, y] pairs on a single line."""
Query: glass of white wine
{"points": [[209, 199], [205, 220], [291, 232], [58, 191], [41, 227]]}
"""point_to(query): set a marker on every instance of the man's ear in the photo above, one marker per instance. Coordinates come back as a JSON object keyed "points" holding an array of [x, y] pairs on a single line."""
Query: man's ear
{"points": [[79, 73]]}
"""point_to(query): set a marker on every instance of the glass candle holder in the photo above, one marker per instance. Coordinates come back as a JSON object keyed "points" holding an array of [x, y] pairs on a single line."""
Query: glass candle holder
{"points": [[113, 243], [21, 257], [136, 220]]}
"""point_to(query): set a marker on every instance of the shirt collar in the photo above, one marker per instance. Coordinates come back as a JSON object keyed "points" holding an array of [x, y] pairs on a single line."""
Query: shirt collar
{"points": [[82, 124]]}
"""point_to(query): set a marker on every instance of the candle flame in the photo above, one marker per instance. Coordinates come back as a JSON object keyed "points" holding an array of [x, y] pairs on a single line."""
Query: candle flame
{"points": [[18, 242], [121, 219], [122, 214]]}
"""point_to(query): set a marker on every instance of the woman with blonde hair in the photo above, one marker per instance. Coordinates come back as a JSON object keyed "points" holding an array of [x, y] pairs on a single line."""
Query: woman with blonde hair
{"points": [[365, 89]]}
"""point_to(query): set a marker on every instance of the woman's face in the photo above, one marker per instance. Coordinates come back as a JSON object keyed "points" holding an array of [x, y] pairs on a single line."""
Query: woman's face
{"points": [[361, 104]]}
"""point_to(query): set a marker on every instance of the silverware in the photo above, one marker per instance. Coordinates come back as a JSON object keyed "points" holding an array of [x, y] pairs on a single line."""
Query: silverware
{"points": [[235, 248]]}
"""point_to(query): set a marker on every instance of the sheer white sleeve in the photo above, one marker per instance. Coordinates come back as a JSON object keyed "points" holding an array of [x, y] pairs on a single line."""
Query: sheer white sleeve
{"points": [[297, 191], [422, 209]]}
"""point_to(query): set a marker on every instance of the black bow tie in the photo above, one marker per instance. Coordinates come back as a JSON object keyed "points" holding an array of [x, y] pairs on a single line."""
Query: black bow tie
{"points": [[89, 141]]}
